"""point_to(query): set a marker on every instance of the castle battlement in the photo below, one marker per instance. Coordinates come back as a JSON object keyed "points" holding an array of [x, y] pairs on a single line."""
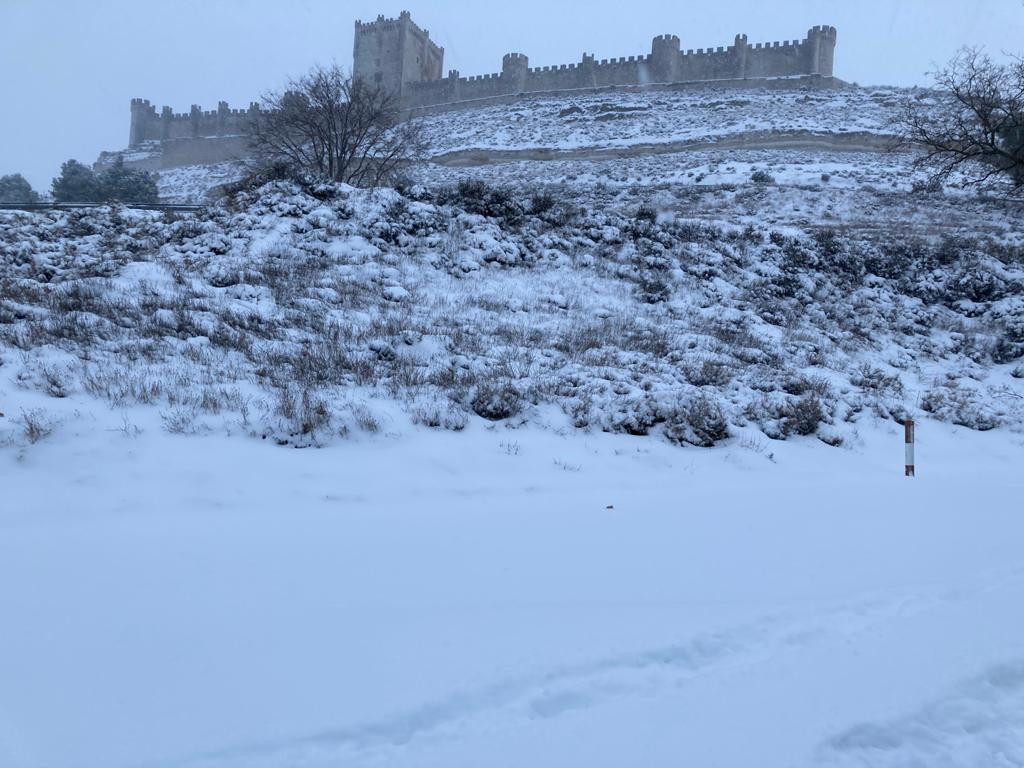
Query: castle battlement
{"points": [[381, 23], [397, 54], [667, 63], [148, 125]]}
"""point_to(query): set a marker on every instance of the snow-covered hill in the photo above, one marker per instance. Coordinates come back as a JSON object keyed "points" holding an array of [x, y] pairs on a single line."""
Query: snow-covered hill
{"points": [[687, 137], [294, 311]]}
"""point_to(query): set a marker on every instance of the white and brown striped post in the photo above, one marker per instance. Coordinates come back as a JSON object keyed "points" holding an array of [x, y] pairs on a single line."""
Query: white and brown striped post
{"points": [[908, 432]]}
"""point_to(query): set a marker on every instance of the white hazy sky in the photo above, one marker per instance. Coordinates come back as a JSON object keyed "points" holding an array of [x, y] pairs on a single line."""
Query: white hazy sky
{"points": [[70, 67]]}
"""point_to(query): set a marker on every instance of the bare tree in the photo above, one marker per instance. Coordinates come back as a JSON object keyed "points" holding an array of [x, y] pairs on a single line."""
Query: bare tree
{"points": [[327, 124], [975, 124]]}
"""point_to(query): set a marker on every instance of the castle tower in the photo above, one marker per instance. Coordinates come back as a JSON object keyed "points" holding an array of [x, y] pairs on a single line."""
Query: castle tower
{"points": [[740, 49], [821, 50], [166, 118], [665, 51], [143, 127], [514, 68], [393, 52]]}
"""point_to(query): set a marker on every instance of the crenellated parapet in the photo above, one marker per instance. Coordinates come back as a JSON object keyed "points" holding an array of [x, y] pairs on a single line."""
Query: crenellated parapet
{"points": [[667, 63], [147, 125], [381, 23]]}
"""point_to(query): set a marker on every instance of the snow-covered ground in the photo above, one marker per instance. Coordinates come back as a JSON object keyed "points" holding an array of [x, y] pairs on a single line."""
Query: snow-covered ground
{"points": [[343, 478], [621, 119], [506, 597], [505, 550], [192, 183]]}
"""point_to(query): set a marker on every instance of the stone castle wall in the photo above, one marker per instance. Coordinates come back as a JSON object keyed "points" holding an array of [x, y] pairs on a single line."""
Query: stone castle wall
{"points": [[148, 125], [667, 63]]}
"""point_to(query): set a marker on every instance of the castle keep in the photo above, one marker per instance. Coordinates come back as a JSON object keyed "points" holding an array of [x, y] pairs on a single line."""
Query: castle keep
{"points": [[393, 52], [400, 56]]}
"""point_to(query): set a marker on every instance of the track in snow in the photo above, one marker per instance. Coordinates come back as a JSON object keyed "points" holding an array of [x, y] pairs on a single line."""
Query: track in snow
{"points": [[981, 717]]}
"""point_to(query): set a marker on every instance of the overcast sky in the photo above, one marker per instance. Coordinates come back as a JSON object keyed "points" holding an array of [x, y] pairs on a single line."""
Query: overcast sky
{"points": [[71, 67]]}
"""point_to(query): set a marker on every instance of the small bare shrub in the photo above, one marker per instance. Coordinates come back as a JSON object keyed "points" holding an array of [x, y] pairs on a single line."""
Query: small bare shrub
{"points": [[757, 445], [804, 385], [179, 420], [365, 418], [699, 422], [439, 415], [646, 214], [542, 202], [805, 415], [565, 466], [36, 424], [576, 339], [304, 413], [876, 380], [56, 381], [496, 400]]}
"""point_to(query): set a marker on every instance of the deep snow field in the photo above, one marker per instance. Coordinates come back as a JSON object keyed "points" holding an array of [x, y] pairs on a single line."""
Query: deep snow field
{"points": [[546, 460], [507, 597]]}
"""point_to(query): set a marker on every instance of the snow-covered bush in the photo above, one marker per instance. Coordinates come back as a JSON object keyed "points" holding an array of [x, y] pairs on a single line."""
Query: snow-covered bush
{"points": [[805, 415], [477, 197], [699, 422], [874, 379], [36, 424], [949, 401], [496, 400], [299, 416], [439, 413]]}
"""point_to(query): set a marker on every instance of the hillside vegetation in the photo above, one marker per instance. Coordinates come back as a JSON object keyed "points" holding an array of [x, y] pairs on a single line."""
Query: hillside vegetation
{"points": [[294, 311]]}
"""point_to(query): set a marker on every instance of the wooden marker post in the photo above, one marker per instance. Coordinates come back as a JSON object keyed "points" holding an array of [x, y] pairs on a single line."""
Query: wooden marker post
{"points": [[908, 431]]}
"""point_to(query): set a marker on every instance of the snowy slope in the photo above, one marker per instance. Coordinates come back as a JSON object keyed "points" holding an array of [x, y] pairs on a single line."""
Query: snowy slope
{"points": [[651, 135], [618, 119], [288, 308], [194, 184]]}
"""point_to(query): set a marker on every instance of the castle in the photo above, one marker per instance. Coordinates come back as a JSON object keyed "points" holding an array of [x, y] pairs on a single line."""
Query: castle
{"points": [[400, 56]]}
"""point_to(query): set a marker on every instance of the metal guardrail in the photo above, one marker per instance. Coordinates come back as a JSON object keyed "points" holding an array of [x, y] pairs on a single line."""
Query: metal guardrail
{"points": [[83, 206]]}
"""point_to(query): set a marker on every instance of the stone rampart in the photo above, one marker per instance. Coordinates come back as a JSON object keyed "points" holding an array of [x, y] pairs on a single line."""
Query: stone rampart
{"points": [[666, 64]]}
